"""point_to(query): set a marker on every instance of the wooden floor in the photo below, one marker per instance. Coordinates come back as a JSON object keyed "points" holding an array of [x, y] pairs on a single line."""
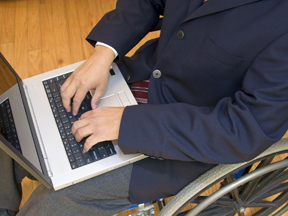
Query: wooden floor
{"points": [[37, 36], [41, 35]]}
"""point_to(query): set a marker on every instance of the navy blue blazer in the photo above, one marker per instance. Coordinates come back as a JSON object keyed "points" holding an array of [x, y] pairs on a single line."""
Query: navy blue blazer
{"points": [[222, 96]]}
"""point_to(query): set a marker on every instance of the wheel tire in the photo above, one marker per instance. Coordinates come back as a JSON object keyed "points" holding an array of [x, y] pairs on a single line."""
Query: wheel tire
{"points": [[237, 194]]}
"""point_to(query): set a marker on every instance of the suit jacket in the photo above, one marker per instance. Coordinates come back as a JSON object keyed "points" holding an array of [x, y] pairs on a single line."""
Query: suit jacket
{"points": [[221, 91]]}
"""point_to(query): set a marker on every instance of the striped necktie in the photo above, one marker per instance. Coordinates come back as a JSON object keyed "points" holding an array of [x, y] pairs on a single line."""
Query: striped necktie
{"points": [[140, 89]]}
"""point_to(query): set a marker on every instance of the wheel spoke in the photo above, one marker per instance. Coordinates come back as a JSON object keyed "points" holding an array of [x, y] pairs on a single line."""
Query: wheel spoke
{"points": [[249, 187], [280, 200], [222, 202], [269, 185], [234, 192], [276, 190], [260, 204], [216, 211], [281, 211]]}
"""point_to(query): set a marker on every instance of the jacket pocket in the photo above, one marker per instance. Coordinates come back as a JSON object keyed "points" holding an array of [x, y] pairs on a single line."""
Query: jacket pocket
{"points": [[218, 54]]}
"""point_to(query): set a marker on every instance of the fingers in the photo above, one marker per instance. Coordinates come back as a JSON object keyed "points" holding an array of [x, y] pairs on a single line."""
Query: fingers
{"points": [[81, 129], [96, 97], [90, 141], [67, 92], [99, 91], [92, 74], [77, 100], [98, 125]]}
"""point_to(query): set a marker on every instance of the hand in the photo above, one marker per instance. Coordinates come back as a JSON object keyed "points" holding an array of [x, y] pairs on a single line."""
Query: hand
{"points": [[92, 74], [99, 125]]}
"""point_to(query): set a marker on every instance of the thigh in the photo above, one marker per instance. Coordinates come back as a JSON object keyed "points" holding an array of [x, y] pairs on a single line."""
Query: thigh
{"points": [[106, 194]]}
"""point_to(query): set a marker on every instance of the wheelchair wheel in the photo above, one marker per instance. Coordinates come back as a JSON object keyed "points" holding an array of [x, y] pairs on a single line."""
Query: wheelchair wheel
{"points": [[260, 191]]}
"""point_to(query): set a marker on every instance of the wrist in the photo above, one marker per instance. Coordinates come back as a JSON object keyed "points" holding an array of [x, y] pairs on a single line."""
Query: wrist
{"points": [[104, 53]]}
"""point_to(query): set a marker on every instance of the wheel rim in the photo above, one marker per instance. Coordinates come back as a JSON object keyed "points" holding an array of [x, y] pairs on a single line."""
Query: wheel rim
{"points": [[248, 192]]}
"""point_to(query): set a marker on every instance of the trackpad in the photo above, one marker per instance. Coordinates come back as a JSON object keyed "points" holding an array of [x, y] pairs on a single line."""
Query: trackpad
{"points": [[109, 101]]}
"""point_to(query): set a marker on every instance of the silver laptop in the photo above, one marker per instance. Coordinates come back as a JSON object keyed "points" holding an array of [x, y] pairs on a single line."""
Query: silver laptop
{"points": [[36, 130]]}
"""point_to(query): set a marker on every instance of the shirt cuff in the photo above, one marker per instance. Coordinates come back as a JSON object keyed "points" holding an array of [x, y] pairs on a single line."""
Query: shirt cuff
{"points": [[103, 44]]}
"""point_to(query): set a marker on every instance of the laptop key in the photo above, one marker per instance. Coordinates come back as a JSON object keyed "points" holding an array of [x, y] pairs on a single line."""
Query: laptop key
{"points": [[73, 144], [67, 147], [57, 99], [75, 150], [56, 94], [66, 126], [53, 87], [87, 158], [71, 159], [51, 81], [70, 138], [80, 162], [59, 84], [65, 120], [63, 115], [103, 153], [78, 156], [94, 154], [74, 165], [110, 150]]}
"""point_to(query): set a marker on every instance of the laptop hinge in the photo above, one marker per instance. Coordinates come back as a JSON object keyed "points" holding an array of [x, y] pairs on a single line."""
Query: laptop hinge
{"points": [[43, 151]]}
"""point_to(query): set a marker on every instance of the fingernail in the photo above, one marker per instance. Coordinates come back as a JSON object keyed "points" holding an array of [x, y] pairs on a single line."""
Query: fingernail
{"points": [[74, 113], [83, 151], [94, 107]]}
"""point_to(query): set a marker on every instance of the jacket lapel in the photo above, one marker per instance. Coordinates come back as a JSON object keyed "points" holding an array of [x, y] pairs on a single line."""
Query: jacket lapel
{"points": [[214, 6]]}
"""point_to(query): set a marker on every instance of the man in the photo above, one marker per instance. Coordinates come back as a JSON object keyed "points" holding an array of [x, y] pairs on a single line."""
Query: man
{"points": [[218, 93]]}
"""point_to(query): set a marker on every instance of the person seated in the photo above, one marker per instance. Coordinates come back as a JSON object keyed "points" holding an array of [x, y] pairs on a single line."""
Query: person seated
{"points": [[218, 93]]}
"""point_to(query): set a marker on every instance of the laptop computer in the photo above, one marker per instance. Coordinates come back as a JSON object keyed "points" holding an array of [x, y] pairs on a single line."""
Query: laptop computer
{"points": [[36, 129]]}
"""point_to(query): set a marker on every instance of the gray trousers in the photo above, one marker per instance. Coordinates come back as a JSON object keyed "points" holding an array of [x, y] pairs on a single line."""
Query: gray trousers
{"points": [[106, 194]]}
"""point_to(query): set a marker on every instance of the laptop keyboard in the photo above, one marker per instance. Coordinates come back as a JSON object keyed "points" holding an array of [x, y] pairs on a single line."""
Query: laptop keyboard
{"points": [[64, 121], [7, 125]]}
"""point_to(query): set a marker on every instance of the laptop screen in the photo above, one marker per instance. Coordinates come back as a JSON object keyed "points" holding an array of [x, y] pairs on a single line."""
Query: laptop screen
{"points": [[7, 78], [12, 96], [7, 123]]}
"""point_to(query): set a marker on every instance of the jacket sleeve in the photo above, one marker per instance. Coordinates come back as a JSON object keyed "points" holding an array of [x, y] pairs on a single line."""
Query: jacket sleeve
{"points": [[125, 26], [235, 130]]}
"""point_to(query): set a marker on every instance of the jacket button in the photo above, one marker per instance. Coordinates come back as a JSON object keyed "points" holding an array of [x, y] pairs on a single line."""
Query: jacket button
{"points": [[180, 34], [156, 74]]}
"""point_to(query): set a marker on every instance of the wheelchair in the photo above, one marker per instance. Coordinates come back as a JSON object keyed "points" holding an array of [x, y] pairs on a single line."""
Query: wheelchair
{"points": [[258, 187]]}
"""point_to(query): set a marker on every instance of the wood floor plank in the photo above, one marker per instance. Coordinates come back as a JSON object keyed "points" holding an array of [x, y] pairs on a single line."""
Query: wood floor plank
{"points": [[8, 21], [1, 21], [21, 39], [87, 47], [48, 46], [7, 50], [35, 62], [85, 17], [96, 10], [74, 28], [28, 187], [61, 33], [34, 30], [108, 5]]}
